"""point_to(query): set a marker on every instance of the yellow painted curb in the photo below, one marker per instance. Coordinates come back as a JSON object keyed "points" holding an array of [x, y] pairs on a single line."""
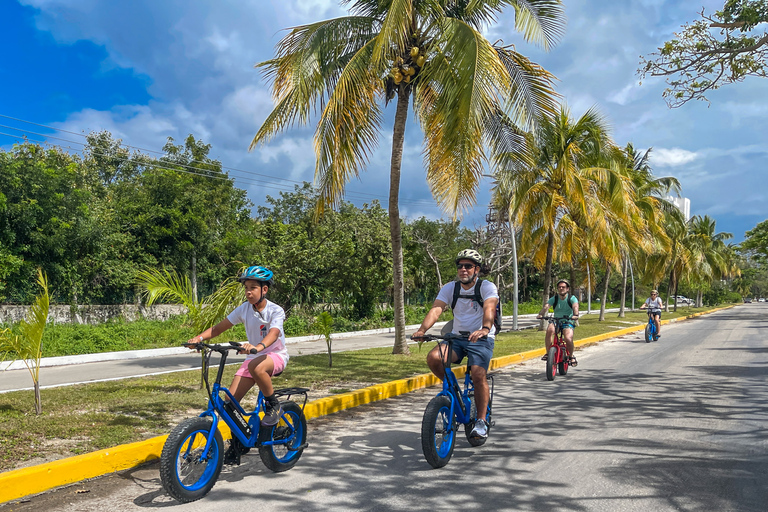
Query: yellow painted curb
{"points": [[32, 480]]}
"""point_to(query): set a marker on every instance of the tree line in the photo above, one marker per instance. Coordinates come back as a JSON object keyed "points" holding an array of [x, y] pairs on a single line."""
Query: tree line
{"points": [[93, 221]]}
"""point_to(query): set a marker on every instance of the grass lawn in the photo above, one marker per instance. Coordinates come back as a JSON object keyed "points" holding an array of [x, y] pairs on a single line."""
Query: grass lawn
{"points": [[81, 419]]}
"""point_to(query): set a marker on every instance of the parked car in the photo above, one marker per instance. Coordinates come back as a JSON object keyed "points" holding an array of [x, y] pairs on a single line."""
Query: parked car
{"points": [[761, 299], [680, 299], [747, 300]]}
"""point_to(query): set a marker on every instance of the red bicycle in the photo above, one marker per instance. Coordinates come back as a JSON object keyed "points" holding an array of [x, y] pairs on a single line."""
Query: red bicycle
{"points": [[557, 357]]}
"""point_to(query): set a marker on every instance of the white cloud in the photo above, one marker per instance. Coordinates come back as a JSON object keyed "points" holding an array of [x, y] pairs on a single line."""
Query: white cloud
{"points": [[671, 157]]}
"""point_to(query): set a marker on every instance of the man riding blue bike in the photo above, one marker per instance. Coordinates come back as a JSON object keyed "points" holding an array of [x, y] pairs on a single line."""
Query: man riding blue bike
{"points": [[564, 306], [654, 304], [472, 317]]}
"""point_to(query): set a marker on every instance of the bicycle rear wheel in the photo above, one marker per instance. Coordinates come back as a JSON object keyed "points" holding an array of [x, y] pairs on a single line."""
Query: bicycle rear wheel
{"points": [[562, 366], [292, 430], [438, 432], [185, 475], [552, 363]]}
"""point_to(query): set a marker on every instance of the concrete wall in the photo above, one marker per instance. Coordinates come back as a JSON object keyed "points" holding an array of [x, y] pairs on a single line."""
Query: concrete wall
{"points": [[94, 314]]}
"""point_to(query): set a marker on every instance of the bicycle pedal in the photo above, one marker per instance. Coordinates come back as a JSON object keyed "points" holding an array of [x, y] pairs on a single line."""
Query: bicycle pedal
{"points": [[291, 449]]}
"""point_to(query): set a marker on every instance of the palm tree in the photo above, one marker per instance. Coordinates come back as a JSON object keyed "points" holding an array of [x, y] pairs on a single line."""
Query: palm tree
{"points": [[650, 193], [552, 177], [28, 344], [432, 51], [716, 258]]}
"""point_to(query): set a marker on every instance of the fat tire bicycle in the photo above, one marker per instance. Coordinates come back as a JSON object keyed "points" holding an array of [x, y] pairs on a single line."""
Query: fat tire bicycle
{"points": [[451, 407], [193, 453], [557, 356], [651, 334]]}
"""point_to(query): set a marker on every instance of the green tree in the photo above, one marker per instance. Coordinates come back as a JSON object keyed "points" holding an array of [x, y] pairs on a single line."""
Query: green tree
{"points": [[718, 49], [431, 51], [756, 242]]}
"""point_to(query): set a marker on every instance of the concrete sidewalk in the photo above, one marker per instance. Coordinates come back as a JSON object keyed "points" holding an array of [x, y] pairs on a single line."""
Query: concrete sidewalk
{"points": [[81, 369]]}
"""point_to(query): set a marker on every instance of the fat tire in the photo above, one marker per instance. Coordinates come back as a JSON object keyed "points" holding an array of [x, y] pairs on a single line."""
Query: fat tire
{"points": [[280, 457], [475, 441], [552, 363], [562, 367], [437, 418], [648, 333], [173, 464]]}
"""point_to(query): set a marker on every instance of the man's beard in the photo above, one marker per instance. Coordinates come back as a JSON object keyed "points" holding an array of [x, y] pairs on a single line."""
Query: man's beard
{"points": [[466, 280]]}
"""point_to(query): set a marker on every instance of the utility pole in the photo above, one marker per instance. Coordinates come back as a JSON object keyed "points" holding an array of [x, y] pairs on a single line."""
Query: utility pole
{"points": [[501, 233]]}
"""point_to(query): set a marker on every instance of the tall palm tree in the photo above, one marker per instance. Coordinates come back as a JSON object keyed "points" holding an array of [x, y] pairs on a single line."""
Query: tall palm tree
{"points": [[716, 258], [431, 50], [552, 177], [650, 198]]}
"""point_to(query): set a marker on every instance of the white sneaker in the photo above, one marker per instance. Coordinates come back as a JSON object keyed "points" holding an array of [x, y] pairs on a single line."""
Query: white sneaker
{"points": [[480, 430]]}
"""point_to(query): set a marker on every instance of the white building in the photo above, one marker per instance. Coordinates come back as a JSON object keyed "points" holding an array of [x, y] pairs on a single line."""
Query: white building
{"points": [[683, 204]]}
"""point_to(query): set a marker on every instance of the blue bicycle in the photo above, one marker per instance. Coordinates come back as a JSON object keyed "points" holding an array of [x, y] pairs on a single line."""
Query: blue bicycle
{"points": [[651, 334], [193, 454], [449, 408]]}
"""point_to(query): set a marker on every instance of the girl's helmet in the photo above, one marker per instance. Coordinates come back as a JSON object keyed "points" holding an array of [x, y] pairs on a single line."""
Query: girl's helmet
{"points": [[257, 273], [470, 254]]}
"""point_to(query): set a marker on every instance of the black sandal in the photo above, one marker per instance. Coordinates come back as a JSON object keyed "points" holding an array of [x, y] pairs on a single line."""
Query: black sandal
{"points": [[572, 361], [544, 357]]}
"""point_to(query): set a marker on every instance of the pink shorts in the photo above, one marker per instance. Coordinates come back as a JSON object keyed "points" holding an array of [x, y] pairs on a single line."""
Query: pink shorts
{"points": [[277, 361]]}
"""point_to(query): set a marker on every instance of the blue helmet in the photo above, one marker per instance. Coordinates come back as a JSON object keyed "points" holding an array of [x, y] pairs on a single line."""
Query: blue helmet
{"points": [[257, 273]]}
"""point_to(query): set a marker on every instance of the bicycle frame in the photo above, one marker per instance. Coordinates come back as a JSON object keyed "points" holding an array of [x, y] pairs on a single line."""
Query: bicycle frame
{"points": [[236, 422], [460, 400]]}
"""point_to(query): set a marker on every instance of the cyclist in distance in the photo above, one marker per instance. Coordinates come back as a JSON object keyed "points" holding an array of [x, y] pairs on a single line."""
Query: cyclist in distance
{"points": [[564, 305], [468, 316], [654, 303], [263, 322]]}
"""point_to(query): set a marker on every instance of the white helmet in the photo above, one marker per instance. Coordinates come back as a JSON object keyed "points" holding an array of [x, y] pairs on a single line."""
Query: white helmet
{"points": [[470, 254]]}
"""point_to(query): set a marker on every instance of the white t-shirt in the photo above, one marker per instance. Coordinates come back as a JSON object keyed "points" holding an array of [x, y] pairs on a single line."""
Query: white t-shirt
{"points": [[654, 304], [257, 325], [468, 314]]}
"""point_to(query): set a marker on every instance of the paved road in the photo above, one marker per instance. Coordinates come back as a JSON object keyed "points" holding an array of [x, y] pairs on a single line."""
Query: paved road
{"points": [[678, 424], [54, 376]]}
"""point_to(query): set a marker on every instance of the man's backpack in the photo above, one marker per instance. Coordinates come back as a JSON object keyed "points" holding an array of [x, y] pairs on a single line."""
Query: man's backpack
{"points": [[567, 301], [477, 298]]}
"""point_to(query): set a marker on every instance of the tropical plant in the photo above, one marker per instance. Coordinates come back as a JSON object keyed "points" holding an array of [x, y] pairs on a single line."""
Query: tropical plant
{"points": [[553, 178], [428, 50], [27, 345], [325, 324], [157, 285]]}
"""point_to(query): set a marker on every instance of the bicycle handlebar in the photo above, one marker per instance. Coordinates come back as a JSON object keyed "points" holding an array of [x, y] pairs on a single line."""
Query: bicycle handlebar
{"points": [[449, 336], [233, 345], [551, 318]]}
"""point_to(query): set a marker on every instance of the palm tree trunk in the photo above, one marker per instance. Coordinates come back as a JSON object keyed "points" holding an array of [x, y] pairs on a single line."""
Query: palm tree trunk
{"points": [[515, 291], [623, 291], [605, 292], [398, 138], [38, 399], [548, 270], [676, 283]]}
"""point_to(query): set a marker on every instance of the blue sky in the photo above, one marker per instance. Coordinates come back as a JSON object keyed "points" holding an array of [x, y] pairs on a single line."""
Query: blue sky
{"points": [[147, 70]]}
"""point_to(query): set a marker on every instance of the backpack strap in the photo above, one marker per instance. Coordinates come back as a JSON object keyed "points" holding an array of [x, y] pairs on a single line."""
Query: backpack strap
{"points": [[457, 293]]}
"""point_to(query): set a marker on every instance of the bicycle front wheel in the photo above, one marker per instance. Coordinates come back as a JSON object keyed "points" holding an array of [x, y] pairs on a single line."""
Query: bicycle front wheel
{"points": [[552, 363], [438, 432], [648, 333], [289, 437], [185, 474]]}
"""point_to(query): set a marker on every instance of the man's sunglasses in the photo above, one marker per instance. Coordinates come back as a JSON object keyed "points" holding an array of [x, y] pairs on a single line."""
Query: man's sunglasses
{"points": [[465, 266]]}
